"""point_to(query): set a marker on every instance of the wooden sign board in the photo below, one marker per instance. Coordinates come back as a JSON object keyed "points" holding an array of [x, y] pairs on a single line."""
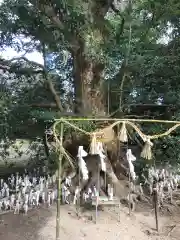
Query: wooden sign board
{"points": [[105, 135]]}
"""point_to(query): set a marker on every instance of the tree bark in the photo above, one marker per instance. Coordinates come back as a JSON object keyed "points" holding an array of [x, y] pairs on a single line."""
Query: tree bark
{"points": [[88, 84]]}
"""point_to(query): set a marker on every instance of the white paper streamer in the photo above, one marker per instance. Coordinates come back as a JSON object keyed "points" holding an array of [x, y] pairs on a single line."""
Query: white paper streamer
{"points": [[77, 191], [110, 192], [102, 156], [131, 158], [82, 164]]}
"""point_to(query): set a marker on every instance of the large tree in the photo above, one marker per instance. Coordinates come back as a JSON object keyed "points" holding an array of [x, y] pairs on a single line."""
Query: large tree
{"points": [[90, 49], [90, 32]]}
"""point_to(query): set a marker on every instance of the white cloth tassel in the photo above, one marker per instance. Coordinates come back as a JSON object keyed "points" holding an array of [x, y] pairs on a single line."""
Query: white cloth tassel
{"points": [[102, 156], [82, 164], [103, 165], [77, 191], [68, 181], [131, 158], [95, 192], [110, 192], [25, 208], [93, 147]]}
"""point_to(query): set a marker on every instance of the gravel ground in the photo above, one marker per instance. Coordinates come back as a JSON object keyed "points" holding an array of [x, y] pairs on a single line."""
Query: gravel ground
{"points": [[40, 224]]}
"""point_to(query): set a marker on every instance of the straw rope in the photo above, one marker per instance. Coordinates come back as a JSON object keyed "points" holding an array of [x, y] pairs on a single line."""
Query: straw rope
{"points": [[119, 119], [106, 135], [128, 122]]}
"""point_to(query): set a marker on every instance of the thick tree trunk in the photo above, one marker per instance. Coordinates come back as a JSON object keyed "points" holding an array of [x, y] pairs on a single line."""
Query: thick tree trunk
{"points": [[89, 97], [88, 87], [120, 187]]}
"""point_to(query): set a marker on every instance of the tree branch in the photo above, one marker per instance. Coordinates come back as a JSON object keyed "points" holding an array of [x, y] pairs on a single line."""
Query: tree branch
{"points": [[139, 107], [100, 8], [26, 60], [122, 71], [51, 14], [117, 11], [49, 82], [10, 66], [57, 19], [56, 97], [21, 71], [44, 105]]}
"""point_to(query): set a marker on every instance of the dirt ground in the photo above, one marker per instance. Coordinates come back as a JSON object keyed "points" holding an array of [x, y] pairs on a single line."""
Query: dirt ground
{"points": [[40, 224]]}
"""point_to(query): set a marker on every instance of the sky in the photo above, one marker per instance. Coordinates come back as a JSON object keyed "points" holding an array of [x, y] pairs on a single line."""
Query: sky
{"points": [[9, 53]]}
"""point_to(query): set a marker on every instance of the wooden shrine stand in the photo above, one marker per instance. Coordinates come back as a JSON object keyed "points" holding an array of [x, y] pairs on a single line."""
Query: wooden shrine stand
{"points": [[106, 131], [101, 200]]}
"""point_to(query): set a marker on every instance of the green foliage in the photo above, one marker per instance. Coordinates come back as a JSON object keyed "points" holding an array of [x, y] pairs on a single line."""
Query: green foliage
{"points": [[63, 27], [53, 162]]}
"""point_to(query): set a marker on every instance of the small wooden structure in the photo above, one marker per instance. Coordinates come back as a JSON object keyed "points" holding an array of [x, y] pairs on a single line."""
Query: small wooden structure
{"points": [[146, 153], [99, 201]]}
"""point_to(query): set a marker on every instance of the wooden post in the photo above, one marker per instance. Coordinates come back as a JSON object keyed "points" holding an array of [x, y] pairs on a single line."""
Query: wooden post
{"points": [[129, 179], [97, 201], [119, 209], [98, 192], [108, 98], [59, 184], [155, 201], [171, 195], [79, 196]]}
